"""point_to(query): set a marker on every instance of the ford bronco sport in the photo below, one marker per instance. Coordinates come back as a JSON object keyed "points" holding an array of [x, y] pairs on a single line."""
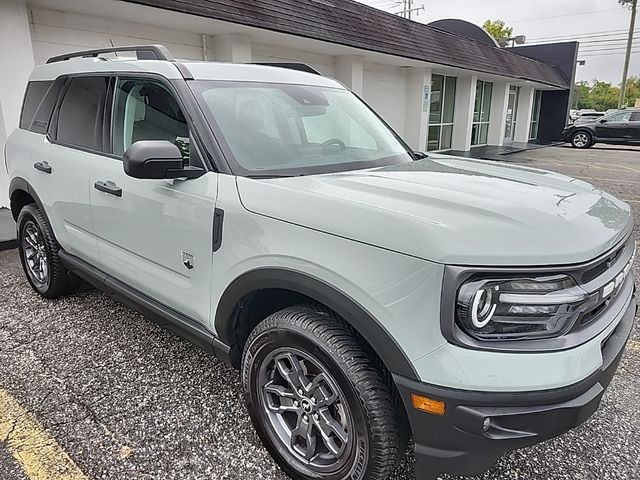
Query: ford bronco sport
{"points": [[367, 293]]}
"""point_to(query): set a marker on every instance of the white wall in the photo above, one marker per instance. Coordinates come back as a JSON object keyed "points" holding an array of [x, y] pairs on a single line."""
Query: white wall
{"points": [[55, 32], [262, 53], [16, 56], [385, 89]]}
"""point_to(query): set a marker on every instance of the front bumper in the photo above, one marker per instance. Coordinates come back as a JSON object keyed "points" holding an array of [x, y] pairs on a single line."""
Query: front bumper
{"points": [[461, 443]]}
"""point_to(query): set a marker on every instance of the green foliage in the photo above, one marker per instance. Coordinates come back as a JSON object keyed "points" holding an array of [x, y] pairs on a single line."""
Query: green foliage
{"points": [[498, 30], [602, 95]]}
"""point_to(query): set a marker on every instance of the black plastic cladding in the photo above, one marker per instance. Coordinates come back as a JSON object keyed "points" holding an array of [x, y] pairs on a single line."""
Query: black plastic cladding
{"points": [[455, 276]]}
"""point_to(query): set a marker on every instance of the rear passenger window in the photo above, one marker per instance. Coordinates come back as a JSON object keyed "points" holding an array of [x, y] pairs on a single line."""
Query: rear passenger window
{"points": [[81, 113], [36, 91], [146, 110], [635, 117]]}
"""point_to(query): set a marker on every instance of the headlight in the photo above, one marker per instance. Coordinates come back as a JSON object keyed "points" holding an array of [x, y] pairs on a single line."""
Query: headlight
{"points": [[518, 308]]}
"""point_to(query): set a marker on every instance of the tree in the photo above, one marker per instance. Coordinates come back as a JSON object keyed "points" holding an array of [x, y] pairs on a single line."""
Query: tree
{"points": [[604, 96], [582, 95], [633, 91], [498, 30]]}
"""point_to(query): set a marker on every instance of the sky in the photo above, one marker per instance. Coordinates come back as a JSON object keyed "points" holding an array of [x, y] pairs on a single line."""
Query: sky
{"points": [[601, 27]]}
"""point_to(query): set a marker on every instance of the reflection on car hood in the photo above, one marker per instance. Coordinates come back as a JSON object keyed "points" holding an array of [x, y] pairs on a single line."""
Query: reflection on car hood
{"points": [[452, 210]]}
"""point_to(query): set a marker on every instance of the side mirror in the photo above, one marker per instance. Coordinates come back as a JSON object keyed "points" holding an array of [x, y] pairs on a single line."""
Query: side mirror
{"points": [[157, 159]]}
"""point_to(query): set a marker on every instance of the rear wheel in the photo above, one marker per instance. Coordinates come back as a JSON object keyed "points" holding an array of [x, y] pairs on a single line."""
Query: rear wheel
{"points": [[581, 140], [39, 255], [317, 400]]}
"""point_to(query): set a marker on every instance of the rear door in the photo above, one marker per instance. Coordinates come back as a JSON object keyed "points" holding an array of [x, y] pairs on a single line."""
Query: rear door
{"points": [[634, 125], [63, 160], [156, 236]]}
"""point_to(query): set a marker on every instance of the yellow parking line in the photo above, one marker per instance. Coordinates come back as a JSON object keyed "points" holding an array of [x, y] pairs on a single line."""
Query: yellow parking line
{"points": [[34, 449]]}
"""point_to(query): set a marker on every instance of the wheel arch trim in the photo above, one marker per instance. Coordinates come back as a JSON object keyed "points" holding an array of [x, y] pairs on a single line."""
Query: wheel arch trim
{"points": [[363, 322], [19, 183]]}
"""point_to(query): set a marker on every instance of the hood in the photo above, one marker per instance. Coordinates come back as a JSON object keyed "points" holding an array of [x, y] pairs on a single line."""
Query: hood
{"points": [[452, 210]]}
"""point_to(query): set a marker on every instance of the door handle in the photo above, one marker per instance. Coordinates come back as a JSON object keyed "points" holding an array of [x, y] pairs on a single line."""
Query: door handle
{"points": [[43, 167], [108, 187]]}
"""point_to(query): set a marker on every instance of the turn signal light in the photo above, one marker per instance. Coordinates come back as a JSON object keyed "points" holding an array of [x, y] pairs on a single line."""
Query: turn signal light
{"points": [[429, 405]]}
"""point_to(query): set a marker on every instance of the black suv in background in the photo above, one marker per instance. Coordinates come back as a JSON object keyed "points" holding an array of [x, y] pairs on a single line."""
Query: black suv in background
{"points": [[621, 127]]}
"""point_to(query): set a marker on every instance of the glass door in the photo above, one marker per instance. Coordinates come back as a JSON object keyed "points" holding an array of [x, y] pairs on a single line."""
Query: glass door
{"points": [[443, 96], [535, 115], [512, 113]]}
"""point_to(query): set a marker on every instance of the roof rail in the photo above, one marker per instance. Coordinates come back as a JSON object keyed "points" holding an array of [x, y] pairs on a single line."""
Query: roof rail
{"points": [[143, 52], [301, 67]]}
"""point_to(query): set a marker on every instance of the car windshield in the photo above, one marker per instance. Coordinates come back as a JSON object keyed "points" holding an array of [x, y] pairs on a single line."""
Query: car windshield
{"points": [[269, 129]]}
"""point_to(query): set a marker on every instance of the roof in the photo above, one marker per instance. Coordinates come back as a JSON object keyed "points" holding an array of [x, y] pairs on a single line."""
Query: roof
{"points": [[199, 70], [346, 22]]}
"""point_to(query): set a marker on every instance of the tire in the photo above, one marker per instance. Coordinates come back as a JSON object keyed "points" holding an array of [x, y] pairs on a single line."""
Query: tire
{"points": [[38, 250], [318, 345], [581, 139]]}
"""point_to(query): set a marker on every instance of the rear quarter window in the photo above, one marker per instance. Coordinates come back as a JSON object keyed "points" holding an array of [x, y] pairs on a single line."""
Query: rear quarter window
{"points": [[34, 95]]}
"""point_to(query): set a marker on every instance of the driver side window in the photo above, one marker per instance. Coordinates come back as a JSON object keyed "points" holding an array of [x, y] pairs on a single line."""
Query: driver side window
{"points": [[146, 110], [620, 117]]}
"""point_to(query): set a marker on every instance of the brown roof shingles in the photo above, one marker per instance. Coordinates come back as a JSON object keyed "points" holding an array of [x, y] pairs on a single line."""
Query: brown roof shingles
{"points": [[349, 23]]}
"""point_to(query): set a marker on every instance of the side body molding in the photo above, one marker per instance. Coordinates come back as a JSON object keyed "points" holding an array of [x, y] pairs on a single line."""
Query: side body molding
{"points": [[354, 314]]}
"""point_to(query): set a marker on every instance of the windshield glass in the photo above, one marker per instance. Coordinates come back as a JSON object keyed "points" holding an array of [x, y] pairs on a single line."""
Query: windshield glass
{"points": [[280, 129]]}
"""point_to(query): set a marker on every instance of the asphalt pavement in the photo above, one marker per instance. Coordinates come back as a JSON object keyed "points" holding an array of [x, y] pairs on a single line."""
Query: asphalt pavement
{"points": [[127, 400]]}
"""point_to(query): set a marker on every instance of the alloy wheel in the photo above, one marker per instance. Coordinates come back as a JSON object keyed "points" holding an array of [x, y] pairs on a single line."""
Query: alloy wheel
{"points": [[35, 254], [581, 140], [306, 409]]}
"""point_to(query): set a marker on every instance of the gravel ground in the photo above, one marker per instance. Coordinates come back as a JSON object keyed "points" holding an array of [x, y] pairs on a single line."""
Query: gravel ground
{"points": [[128, 400]]}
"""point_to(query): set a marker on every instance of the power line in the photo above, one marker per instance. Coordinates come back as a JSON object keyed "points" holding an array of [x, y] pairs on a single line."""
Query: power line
{"points": [[603, 33], [606, 54], [565, 15]]}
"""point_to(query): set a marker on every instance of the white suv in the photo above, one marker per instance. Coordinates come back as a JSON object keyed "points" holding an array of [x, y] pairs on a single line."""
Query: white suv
{"points": [[366, 292]]}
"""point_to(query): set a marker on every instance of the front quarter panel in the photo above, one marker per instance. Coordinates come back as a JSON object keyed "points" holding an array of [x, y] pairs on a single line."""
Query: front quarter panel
{"points": [[400, 292]]}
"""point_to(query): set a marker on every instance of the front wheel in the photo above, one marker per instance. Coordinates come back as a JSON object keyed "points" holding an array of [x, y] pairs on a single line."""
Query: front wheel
{"points": [[581, 140], [317, 400]]}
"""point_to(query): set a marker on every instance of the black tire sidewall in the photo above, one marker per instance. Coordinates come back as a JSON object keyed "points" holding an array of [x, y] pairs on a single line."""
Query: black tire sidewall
{"points": [[28, 214], [58, 278], [255, 354]]}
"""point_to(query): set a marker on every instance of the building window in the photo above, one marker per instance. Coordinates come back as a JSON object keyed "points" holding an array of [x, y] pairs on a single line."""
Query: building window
{"points": [[443, 96], [535, 115], [481, 111]]}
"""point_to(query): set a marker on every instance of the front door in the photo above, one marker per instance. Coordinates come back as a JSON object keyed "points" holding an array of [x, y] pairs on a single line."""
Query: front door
{"points": [[155, 235], [615, 127], [512, 114]]}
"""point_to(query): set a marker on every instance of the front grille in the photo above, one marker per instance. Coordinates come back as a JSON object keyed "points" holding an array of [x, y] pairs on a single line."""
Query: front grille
{"points": [[602, 266]]}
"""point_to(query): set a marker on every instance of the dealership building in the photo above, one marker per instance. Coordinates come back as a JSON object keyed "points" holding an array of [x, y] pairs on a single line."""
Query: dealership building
{"points": [[442, 86]]}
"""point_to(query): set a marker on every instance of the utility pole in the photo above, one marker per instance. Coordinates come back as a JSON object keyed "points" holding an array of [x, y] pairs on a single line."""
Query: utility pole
{"points": [[408, 9], [627, 57]]}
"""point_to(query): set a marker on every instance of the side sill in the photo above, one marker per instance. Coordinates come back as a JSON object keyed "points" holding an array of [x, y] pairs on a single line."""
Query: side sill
{"points": [[161, 314]]}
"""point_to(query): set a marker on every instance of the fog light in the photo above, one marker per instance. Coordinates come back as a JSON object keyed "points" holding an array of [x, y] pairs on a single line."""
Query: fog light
{"points": [[429, 405], [486, 424]]}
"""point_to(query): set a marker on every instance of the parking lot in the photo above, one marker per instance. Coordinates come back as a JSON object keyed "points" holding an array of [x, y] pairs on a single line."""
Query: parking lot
{"points": [[121, 398]]}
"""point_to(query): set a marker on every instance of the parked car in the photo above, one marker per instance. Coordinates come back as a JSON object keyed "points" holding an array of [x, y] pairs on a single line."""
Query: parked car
{"points": [[366, 292], [619, 128], [588, 117]]}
